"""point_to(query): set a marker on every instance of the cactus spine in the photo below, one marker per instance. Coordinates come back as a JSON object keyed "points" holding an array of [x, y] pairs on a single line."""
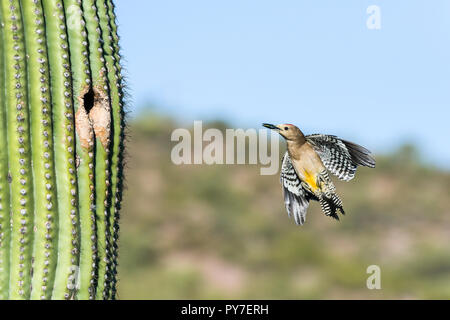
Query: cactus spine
{"points": [[61, 130]]}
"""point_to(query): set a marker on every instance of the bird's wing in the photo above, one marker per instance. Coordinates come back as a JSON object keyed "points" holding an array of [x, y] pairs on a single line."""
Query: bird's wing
{"points": [[296, 198], [339, 156]]}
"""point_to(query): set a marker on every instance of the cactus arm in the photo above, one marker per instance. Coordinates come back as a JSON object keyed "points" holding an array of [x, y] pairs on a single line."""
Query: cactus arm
{"points": [[112, 57], [19, 153], [5, 233], [101, 119], [45, 200], [64, 158], [79, 53]]}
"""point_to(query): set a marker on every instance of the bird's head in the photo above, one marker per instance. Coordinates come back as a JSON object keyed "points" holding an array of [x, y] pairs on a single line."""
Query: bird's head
{"points": [[287, 131]]}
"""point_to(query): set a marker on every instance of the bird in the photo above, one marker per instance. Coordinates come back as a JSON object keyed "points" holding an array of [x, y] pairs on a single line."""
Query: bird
{"points": [[306, 165]]}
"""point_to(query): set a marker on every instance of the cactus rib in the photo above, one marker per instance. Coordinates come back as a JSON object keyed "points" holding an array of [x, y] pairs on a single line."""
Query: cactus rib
{"points": [[45, 199], [5, 232], [64, 157], [19, 151], [79, 52], [109, 27], [101, 119]]}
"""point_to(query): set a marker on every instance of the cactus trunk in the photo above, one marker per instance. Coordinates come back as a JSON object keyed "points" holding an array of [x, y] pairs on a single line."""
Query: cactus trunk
{"points": [[61, 131]]}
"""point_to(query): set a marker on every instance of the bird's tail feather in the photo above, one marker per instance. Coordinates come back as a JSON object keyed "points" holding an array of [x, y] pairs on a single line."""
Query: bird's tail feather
{"points": [[331, 205]]}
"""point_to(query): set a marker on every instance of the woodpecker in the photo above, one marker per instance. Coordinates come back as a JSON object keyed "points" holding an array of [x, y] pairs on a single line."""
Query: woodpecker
{"points": [[304, 171]]}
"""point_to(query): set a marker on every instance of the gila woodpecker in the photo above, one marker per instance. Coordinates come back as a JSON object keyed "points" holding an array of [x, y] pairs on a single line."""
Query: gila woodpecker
{"points": [[304, 172]]}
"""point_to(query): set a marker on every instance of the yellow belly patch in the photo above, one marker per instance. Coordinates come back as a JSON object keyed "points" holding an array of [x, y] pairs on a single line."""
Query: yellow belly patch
{"points": [[310, 180]]}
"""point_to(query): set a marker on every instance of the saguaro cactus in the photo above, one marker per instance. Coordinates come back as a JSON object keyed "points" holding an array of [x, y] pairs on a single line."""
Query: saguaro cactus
{"points": [[61, 138]]}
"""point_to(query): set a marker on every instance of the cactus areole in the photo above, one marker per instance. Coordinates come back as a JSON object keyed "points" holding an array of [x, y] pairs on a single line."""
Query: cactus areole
{"points": [[61, 138]]}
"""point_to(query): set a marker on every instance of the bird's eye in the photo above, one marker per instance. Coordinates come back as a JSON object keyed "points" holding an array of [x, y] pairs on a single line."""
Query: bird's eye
{"points": [[286, 128]]}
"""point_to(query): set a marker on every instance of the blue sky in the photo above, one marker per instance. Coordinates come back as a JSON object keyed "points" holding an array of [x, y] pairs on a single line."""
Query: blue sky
{"points": [[313, 63]]}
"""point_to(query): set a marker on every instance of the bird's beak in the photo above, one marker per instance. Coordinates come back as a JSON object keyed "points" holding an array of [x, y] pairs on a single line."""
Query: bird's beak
{"points": [[270, 126]]}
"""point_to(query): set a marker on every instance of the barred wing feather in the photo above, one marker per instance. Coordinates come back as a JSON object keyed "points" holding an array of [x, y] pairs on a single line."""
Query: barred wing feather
{"points": [[296, 198], [339, 156]]}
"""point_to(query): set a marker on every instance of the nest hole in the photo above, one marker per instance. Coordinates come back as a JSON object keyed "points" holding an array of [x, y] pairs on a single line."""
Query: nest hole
{"points": [[88, 100]]}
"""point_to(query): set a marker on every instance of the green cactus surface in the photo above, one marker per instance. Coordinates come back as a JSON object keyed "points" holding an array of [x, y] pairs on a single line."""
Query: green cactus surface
{"points": [[61, 161]]}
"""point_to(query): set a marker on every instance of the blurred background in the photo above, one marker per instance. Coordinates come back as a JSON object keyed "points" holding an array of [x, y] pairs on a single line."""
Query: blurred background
{"points": [[205, 232]]}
